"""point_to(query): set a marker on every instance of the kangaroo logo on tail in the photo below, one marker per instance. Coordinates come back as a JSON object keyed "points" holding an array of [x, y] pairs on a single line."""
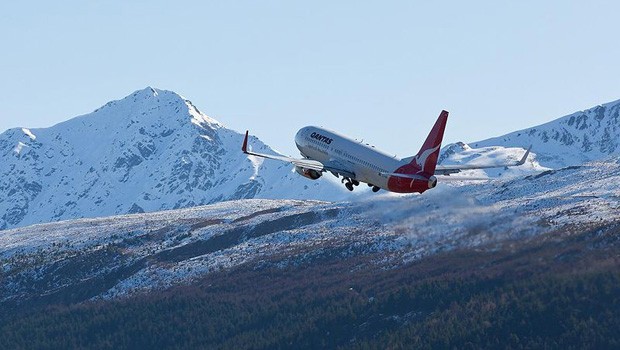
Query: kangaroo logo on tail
{"points": [[420, 159], [426, 159]]}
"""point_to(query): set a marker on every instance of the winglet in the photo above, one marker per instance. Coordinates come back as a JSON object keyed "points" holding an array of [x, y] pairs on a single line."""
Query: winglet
{"points": [[244, 148], [527, 153]]}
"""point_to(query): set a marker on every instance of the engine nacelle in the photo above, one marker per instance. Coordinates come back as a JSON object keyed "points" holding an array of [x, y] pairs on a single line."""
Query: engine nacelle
{"points": [[432, 182], [309, 173]]}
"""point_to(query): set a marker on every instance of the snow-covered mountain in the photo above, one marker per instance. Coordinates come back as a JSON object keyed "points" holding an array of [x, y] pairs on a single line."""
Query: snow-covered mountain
{"points": [[577, 138], [152, 150]]}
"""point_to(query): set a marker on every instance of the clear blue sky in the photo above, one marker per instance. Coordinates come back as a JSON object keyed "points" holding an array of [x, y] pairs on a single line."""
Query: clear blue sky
{"points": [[381, 71]]}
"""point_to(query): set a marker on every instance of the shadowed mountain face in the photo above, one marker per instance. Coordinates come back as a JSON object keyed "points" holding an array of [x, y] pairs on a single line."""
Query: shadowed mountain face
{"points": [[152, 150]]}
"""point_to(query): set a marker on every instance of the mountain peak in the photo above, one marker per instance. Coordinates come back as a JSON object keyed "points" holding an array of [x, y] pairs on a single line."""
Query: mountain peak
{"points": [[150, 91], [151, 150], [163, 103], [153, 94]]}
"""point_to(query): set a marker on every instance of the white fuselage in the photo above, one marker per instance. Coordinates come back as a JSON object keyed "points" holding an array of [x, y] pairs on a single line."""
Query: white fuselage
{"points": [[364, 161]]}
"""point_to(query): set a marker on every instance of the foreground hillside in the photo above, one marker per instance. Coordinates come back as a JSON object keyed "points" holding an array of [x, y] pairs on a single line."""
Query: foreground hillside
{"points": [[558, 290], [116, 256], [530, 261]]}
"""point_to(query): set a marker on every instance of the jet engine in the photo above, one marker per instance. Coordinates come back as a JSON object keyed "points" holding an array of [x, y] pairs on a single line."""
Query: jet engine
{"points": [[309, 173], [432, 182]]}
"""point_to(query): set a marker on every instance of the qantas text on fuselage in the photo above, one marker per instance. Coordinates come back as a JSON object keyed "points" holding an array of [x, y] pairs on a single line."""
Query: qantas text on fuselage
{"points": [[324, 150]]}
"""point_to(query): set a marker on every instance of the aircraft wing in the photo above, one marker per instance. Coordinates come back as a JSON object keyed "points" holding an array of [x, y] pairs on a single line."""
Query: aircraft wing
{"points": [[453, 169], [304, 163], [337, 168]]}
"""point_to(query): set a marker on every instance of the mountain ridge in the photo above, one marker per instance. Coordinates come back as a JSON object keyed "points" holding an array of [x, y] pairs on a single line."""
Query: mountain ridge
{"points": [[577, 138]]}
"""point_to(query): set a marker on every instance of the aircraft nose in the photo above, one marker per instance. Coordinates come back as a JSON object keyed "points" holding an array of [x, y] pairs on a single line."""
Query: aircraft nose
{"points": [[300, 135]]}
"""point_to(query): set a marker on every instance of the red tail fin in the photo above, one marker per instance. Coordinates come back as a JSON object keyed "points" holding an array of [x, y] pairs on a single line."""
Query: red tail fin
{"points": [[426, 159]]}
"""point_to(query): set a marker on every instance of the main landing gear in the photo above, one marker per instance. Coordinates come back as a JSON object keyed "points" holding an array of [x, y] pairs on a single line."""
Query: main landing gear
{"points": [[348, 183], [374, 188]]}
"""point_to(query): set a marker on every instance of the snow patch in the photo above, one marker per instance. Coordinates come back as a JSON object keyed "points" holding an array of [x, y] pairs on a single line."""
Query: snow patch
{"points": [[19, 147], [29, 134]]}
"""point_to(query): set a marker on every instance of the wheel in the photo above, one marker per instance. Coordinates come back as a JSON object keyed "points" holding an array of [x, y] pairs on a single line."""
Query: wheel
{"points": [[375, 189], [349, 186]]}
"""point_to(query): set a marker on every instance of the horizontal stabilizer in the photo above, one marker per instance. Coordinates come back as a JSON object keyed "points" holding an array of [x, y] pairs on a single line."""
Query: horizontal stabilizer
{"points": [[453, 169]]}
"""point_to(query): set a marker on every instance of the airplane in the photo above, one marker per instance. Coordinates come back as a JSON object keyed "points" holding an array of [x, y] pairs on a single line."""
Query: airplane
{"points": [[324, 150]]}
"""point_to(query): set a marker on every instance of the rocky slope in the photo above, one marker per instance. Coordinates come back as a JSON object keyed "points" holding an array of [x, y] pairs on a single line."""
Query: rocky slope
{"points": [[584, 136]]}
